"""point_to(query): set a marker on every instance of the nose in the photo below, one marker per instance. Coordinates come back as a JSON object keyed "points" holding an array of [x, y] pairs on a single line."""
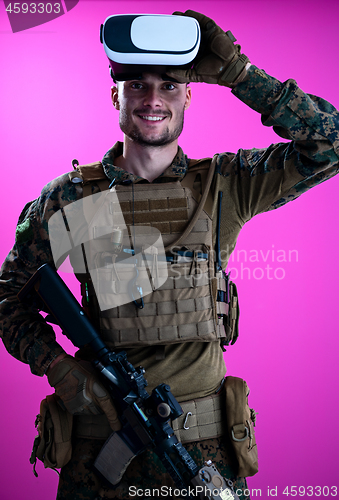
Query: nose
{"points": [[152, 97]]}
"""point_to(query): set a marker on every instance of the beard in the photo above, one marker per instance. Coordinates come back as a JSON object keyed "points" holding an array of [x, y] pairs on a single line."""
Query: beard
{"points": [[133, 132]]}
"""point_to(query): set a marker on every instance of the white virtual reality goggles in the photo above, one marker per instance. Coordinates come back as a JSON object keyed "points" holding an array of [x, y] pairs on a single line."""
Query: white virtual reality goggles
{"points": [[135, 41]]}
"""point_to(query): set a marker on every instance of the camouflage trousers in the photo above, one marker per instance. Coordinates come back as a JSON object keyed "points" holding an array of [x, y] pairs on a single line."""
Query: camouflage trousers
{"points": [[144, 476]]}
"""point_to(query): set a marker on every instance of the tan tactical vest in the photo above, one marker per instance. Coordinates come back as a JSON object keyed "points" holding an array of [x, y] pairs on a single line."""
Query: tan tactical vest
{"points": [[185, 307]]}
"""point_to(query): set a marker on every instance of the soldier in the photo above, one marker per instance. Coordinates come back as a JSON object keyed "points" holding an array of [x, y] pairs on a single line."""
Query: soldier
{"points": [[183, 340]]}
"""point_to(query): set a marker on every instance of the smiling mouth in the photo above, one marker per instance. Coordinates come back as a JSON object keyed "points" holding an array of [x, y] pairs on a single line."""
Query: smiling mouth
{"points": [[152, 118]]}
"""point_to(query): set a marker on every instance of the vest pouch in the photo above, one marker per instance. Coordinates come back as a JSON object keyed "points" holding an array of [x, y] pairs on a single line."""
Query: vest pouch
{"points": [[53, 445], [232, 321], [240, 422]]}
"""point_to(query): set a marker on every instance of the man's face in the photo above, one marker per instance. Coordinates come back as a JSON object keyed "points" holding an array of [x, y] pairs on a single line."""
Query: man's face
{"points": [[151, 109]]}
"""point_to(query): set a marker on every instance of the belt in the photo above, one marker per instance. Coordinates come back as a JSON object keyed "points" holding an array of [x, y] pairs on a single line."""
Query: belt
{"points": [[202, 418]]}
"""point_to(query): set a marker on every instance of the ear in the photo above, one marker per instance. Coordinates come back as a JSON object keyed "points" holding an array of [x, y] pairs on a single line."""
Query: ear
{"points": [[188, 97], [115, 97]]}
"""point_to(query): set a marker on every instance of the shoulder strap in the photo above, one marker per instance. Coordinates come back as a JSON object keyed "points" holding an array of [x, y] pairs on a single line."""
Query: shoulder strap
{"points": [[200, 207], [87, 175], [91, 172], [196, 180]]}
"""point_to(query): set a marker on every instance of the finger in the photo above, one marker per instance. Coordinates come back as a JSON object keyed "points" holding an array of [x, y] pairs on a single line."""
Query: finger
{"points": [[206, 23], [179, 74], [210, 66], [109, 410], [102, 399]]}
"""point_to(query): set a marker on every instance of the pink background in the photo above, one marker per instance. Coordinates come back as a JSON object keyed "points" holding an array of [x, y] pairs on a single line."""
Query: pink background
{"points": [[55, 106]]}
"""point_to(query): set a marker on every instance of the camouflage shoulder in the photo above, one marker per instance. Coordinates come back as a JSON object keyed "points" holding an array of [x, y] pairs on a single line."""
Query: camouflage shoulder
{"points": [[61, 186], [25, 211], [24, 230], [58, 193]]}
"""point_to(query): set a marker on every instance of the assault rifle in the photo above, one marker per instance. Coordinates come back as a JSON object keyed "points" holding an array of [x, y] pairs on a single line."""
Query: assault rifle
{"points": [[145, 418]]}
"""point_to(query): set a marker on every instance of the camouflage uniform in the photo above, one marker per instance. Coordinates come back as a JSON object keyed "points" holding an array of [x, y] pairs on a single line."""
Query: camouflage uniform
{"points": [[145, 472], [252, 181]]}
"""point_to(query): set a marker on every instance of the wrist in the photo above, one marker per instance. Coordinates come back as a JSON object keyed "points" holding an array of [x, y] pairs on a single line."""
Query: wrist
{"points": [[242, 77], [56, 361]]}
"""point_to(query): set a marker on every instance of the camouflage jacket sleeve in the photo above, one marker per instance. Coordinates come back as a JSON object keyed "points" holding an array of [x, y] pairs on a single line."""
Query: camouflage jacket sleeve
{"points": [[263, 179], [24, 331]]}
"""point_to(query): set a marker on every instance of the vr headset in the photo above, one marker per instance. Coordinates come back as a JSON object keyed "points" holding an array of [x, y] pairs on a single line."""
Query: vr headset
{"points": [[136, 42]]}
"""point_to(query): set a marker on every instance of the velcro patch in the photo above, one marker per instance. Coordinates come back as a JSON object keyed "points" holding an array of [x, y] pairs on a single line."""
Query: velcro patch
{"points": [[24, 232]]}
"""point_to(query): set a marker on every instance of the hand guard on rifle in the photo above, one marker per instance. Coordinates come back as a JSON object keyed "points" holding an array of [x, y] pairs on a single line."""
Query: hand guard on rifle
{"points": [[218, 60], [80, 390]]}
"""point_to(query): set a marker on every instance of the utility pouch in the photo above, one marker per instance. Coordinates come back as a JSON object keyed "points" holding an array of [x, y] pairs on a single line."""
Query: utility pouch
{"points": [[240, 422], [53, 444]]}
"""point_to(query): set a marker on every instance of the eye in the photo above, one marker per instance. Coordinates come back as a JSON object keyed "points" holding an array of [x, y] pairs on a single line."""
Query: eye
{"points": [[136, 85], [169, 86]]}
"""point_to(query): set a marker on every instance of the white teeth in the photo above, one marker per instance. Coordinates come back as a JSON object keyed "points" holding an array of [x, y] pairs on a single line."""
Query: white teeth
{"points": [[153, 118]]}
